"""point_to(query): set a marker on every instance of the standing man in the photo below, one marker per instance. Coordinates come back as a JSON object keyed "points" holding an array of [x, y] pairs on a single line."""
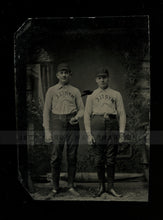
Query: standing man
{"points": [[105, 121], [64, 103]]}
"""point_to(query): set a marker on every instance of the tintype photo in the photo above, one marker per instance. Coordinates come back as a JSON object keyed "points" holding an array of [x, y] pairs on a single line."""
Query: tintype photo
{"points": [[83, 108]]}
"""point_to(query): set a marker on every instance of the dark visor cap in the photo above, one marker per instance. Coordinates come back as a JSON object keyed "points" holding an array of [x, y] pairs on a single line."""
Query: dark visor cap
{"points": [[63, 66], [102, 72]]}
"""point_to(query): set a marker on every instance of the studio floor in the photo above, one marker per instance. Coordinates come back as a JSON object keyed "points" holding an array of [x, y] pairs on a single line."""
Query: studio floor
{"points": [[135, 190]]}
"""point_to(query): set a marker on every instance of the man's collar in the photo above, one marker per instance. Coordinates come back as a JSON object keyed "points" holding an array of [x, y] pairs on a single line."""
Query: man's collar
{"points": [[60, 86], [101, 90]]}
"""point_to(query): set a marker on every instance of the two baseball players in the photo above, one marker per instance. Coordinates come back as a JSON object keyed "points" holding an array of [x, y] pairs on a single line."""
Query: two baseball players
{"points": [[104, 120]]}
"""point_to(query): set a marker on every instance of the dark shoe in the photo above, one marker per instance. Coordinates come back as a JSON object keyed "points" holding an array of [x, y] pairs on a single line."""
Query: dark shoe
{"points": [[114, 193], [100, 191], [73, 192], [54, 192]]}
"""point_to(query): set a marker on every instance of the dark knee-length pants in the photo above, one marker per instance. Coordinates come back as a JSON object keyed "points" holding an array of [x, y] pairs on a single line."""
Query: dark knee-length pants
{"points": [[106, 134], [63, 131]]}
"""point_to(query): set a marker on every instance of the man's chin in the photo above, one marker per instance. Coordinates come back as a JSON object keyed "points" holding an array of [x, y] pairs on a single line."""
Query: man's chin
{"points": [[103, 87], [64, 81]]}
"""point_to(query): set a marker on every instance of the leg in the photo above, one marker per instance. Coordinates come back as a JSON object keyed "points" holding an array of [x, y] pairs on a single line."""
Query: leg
{"points": [[100, 167], [110, 162], [56, 158], [111, 157], [111, 153], [58, 136], [99, 151], [72, 139]]}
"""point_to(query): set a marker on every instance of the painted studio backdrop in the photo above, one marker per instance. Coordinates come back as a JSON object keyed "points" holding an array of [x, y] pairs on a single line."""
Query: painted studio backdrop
{"points": [[119, 43]]}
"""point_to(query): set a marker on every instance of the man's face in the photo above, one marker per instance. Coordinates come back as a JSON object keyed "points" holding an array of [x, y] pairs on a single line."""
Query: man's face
{"points": [[102, 81], [63, 76]]}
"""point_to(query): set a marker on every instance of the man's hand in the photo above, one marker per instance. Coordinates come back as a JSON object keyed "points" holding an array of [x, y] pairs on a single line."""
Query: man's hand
{"points": [[91, 140], [121, 138], [48, 136], [73, 121]]}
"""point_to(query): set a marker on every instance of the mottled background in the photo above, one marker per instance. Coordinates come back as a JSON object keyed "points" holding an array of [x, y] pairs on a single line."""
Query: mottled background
{"points": [[119, 43]]}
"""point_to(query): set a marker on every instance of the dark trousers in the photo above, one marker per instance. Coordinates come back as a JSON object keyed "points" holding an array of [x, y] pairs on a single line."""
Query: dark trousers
{"points": [[106, 134], [63, 131]]}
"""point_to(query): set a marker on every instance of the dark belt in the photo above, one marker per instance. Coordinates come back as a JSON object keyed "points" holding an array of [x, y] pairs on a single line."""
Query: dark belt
{"points": [[110, 116], [64, 116]]}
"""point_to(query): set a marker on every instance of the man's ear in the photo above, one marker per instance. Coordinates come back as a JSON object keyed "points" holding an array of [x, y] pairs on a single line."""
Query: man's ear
{"points": [[57, 75]]}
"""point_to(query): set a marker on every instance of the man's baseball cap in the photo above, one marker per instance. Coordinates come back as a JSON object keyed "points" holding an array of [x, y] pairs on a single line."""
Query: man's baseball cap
{"points": [[102, 72], [63, 66]]}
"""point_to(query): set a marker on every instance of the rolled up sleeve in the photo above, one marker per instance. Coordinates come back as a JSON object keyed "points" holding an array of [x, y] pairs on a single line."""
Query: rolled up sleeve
{"points": [[47, 110], [87, 115], [80, 105], [121, 113]]}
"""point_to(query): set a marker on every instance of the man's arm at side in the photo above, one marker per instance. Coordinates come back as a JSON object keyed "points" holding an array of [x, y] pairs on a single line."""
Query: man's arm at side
{"points": [[122, 117], [46, 116], [87, 120], [80, 106]]}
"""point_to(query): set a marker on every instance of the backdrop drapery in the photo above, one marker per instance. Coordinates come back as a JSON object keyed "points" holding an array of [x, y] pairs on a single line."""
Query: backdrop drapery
{"points": [[40, 76]]}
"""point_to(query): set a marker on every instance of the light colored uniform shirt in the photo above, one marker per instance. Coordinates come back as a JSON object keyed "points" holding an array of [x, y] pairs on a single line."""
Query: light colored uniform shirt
{"points": [[62, 100], [103, 101]]}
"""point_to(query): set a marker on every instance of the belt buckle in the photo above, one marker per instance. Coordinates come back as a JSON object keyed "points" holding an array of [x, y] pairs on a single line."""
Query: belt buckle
{"points": [[106, 116]]}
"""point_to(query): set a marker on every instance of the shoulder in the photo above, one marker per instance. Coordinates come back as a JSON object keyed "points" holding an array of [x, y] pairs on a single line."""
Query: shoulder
{"points": [[74, 89], [115, 92], [90, 97], [96, 91], [51, 89]]}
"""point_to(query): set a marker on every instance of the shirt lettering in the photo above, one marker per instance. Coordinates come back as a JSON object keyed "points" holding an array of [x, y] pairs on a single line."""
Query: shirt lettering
{"points": [[65, 94], [105, 98]]}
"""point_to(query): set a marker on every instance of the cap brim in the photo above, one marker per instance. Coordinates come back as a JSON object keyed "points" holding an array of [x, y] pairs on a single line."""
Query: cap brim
{"points": [[60, 69], [101, 74]]}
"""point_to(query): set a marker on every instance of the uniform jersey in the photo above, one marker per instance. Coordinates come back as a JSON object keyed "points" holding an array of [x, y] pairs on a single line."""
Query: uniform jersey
{"points": [[62, 100], [103, 101]]}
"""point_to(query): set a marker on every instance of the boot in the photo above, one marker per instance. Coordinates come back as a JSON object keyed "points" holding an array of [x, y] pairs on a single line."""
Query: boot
{"points": [[101, 190], [71, 178], [73, 191], [110, 187], [114, 193], [101, 178], [110, 176], [55, 180], [71, 175]]}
